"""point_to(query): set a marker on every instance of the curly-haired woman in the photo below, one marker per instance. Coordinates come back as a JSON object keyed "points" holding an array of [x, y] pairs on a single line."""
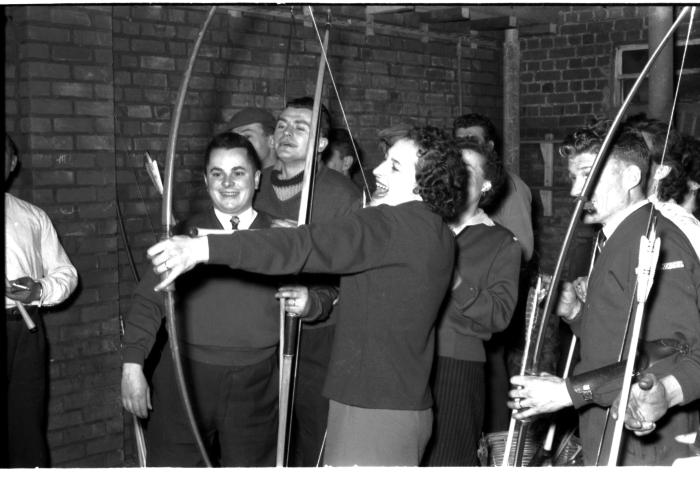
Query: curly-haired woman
{"points": [[481, 302], [396, 262]]}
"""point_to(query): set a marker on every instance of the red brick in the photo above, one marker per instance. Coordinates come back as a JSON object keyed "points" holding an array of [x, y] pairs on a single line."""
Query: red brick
{"points": [[71, 54], [36, 70], [92, 73], [79, 90], [69, 16], [94, 108]]}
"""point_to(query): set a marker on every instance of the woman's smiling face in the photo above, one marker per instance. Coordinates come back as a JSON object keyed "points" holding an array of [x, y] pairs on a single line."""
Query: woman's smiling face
{"points": [[396, 175]]}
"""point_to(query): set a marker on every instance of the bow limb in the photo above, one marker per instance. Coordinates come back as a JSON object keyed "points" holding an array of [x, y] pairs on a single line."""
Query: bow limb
{"points": [[289, 342], [166, 217], [367, 194], [589, 185]]}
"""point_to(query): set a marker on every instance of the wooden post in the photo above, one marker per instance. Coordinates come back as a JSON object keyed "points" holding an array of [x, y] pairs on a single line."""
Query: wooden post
{"points": [[511, 101], [661, 74]]}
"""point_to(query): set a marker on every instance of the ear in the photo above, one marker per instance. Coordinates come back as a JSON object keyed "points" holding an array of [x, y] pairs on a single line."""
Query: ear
{"points": [[693, 185], [322, 144], [271, 141], [490, 145], [257, 180], [486, 186], [206, 182], [347, 162], [631, 177], [661, 172]]}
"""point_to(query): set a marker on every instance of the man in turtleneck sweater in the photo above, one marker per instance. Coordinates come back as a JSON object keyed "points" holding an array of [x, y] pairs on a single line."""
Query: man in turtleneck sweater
{"points": [[280, 196]]}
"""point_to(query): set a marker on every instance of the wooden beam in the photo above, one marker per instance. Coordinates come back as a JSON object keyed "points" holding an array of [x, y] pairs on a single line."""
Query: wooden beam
{"points": [[525, 14], [409, 20], [463, 27], [378, 9], [495, 23], [537, 29], [452, 14], [485, 24]]}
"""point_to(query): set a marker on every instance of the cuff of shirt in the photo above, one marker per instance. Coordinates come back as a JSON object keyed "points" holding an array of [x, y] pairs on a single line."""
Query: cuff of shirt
{"points": [[133, 355]]}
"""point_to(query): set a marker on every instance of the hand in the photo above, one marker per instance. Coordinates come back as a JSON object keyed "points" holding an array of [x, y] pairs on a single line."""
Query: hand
{"points": [[177, 255], [24, 289], [647, 404], [136, 395], [284, 223], [569, 304], [297, 299], [580, 285], [535, 395]]}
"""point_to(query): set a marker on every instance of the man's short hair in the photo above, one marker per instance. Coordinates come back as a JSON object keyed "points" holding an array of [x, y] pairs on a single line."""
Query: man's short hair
{"points": [[10, 146], [627, 146], [339, 140], [654, 133], [477, 119], [307, 103], [229, 141], [250, 115]]}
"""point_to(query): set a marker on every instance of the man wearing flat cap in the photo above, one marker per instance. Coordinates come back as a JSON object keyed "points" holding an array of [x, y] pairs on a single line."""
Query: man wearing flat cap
{"points": [[258, 126]]}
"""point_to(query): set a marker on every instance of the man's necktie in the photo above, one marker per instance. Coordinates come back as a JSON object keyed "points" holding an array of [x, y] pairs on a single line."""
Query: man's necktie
{"points": [[234, 222], [600, 241]]}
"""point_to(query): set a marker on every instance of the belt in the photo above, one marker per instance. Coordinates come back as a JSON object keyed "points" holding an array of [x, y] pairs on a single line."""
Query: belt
{"points": [[13, 314]]}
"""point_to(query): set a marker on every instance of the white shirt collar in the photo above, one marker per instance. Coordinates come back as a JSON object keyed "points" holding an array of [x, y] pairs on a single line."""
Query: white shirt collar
{"points": [[478, 218], [610, 227], [245, 218]]}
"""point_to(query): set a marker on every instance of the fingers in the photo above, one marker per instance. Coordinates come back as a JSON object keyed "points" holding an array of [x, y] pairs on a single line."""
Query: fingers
{"points": [[156, 249], [169, 279], [296, 299], [646, 381]]}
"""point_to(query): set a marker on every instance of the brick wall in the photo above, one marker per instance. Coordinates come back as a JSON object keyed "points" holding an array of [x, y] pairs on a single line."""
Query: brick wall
{"points": [[566, 79], [89, 90], [61, 114]]}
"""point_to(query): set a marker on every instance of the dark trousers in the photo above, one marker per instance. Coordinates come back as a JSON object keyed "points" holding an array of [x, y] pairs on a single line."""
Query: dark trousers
{"points": [[458, 392], [310, 407], [235, 408], [27, 373]]}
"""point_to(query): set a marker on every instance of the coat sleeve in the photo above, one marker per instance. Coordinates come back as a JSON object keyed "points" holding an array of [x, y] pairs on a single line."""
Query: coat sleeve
{"points": [[142, 321], [347, 245], [489, 309]]}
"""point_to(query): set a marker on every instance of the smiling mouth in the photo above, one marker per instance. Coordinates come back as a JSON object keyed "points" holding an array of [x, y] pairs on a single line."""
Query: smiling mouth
{"points": [[230, 194], [381, 191]]}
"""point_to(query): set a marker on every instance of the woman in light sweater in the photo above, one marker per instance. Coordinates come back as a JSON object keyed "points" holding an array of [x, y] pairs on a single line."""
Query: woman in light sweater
{"points": [[481, 302]]}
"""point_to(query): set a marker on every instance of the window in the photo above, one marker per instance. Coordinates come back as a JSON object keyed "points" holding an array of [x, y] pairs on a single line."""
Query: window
{"points": [[630, 60]]}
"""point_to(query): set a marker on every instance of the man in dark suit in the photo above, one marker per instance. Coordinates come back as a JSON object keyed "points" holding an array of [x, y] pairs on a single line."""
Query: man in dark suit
{"points": [[672, 310]]}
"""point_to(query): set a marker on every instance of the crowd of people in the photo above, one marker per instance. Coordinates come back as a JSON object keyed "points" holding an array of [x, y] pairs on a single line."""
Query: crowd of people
{"points": [[404, 303]]}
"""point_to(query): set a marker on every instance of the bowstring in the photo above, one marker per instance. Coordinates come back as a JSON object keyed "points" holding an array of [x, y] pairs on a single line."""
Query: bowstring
{"points": [[678, 86], [340, 103]]}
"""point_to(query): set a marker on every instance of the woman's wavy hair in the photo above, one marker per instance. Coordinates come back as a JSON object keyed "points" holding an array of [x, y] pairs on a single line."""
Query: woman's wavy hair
{"points": [[684, 163], [493, 172], [441, 176]]}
